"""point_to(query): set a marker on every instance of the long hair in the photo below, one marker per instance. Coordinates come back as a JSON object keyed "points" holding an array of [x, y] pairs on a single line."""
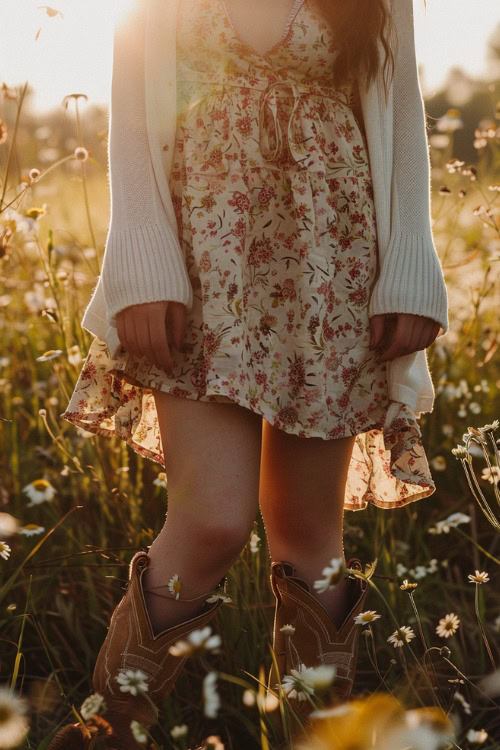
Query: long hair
{"points": [[357, 25]]}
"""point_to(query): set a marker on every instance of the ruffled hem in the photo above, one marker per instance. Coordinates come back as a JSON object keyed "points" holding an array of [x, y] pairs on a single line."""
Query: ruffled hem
{"points": [[388, 466]]}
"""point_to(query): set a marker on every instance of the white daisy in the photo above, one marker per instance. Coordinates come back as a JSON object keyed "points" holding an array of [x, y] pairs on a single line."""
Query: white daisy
{"points": [[31, 529], [287, 629], [333, 574], [448, 625], [175, 585], [197, 640], [478, 577], [8, 525], [51, 354], [477, 737], [4, 550], [465, 704], [132, 681], [139, 732], [94, 704], [366, 617], [14, 724], [211, 698], [294, 686], [180, 730], [254, 543], [401, 636], [39, 491]]}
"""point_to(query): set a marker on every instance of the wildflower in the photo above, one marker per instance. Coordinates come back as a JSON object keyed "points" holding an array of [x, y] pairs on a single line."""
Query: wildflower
{"points": [[433, 566], [366, 617], [443, 527], [407, 585], [266, 703], [287, 629], [491, 683], [74, 355], [401, 636], [465, 704], [448, 625], [489, 427], [213, 742], [477, 737], [496, 624], [14, 723], [132, 681], [161, 480], [31, 529], [438, 463], [401, 570], [478, 577], [81, 153], [491, 474], [211, 698], [175, 585], [474, 407], [92, 705], [34, 174], [8, 525], [219, 595], [319, 678], [4, 550], [419, 572], [180, 730], [39, 491], [51, 354], [138, 731], [333, 574], [197, 640], [294, 686], [254, 543]]}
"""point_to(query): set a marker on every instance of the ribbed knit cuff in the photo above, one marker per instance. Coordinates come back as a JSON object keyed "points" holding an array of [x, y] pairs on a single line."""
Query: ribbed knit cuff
{"points": [[143, 264], [411, 280]]}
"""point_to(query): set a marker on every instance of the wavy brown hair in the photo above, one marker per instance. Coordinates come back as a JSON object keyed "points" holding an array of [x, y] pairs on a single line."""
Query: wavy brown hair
{"points": [[357, 25]]}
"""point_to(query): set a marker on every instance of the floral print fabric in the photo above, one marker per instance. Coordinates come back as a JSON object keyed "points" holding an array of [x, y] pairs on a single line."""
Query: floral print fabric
{"points": [[273, 198]]}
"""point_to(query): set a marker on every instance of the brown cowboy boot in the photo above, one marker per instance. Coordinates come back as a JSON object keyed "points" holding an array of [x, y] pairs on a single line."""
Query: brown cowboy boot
{"points": [[315, 641], [130, 644]]}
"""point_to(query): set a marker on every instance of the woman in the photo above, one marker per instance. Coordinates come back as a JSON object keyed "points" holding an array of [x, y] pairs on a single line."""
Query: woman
{"points": [[269, 250]]}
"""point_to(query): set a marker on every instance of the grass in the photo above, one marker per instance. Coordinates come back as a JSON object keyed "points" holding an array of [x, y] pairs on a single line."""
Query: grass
{"points": [[60, 583]]}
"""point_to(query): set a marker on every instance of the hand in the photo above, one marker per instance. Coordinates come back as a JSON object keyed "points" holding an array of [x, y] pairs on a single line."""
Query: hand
{"points": [[145, 331], [401, 334]]}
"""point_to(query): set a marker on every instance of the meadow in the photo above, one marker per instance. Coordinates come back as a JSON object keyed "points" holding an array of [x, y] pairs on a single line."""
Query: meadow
{"points": [[74, 507]]}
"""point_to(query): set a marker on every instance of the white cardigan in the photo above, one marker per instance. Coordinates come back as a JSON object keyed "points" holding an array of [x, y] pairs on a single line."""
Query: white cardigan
{"points": [[143, 261]]}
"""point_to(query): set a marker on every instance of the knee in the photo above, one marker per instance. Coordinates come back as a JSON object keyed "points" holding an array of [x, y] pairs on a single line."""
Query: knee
{"points": [[218, 538]]}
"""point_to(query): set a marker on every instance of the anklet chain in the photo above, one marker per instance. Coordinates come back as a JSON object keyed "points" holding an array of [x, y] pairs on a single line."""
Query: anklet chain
{"points": [[179, 598]]}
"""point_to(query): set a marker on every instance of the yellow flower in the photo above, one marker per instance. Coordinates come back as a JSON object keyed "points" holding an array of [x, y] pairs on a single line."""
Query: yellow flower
{"points": [[406, 585]]}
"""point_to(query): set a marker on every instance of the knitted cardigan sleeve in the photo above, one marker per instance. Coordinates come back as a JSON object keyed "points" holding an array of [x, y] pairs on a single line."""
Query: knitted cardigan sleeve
{"points": [[143, 260], [411, 278]]}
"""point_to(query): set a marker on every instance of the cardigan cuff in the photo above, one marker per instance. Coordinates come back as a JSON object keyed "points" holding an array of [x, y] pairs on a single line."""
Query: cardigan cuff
{"points": [[143, 264], [411, 280]]}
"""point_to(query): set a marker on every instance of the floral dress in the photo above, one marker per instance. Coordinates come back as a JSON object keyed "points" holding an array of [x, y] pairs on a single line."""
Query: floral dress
{"points": [[274, 204]]}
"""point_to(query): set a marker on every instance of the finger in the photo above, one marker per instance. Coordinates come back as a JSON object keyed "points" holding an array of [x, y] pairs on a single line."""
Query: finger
{"points": [[425, 334], [435, 328], [400, 337], [418, 334], [160, 343], [376, 330], [143, 338], [177, 314], [120, 330], [131, 335]]}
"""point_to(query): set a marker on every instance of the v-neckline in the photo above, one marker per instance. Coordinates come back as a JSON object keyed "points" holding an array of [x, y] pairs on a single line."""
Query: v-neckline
{"points": [[288, 25]]}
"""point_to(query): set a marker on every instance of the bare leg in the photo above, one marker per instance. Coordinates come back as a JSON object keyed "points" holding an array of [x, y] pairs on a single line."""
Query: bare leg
{"points": [[302, 490], [212, 454]]}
